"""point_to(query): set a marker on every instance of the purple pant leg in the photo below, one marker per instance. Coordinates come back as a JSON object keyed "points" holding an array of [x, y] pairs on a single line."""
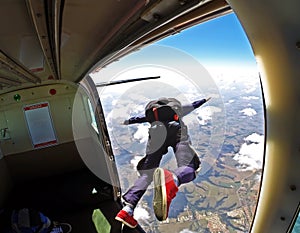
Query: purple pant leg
{"points": [[134, 194], [187, 162], [185, 174], [146, 168]]}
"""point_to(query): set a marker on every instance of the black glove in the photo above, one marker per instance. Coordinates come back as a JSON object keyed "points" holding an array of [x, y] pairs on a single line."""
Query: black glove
{"points": [[208, 99]]}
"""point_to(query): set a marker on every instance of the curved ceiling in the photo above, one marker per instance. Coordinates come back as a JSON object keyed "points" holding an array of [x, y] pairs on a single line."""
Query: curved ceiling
{"points": [[65, 39]]}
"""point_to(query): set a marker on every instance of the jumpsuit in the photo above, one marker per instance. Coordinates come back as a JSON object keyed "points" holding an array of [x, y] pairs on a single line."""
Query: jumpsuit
{"points": [[161, 136]]}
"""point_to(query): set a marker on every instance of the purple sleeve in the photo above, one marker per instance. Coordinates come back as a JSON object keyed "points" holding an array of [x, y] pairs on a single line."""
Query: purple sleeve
{"points": [[137, 119], [186, 109]]}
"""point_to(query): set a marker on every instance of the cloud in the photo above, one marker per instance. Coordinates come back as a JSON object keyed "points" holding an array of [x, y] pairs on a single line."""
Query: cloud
{"points": [[250, 89], [142, 133], [251, 98], [205, 114], [135, 160], [141, 213], [248, 112], [250, 155], [255, 138], [187, 231]]}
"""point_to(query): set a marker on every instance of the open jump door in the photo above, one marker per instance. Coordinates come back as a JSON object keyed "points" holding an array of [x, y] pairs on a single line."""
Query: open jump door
{"points": [[100, 159], [56, 157]]}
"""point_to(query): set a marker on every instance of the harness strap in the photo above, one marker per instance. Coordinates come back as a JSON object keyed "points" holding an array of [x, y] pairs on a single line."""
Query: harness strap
{"points": [[176, 117], [155, 113]]}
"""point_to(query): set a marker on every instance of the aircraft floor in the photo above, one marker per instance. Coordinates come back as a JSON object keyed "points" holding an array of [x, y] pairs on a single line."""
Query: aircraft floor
{"points": [[70, 198]]}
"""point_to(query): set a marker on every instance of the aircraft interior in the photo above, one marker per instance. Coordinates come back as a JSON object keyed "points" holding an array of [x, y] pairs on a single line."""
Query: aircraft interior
{"points": [[54, 141]]}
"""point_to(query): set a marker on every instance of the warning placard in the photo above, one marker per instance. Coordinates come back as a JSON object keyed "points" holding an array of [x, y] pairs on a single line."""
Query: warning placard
{"points": [[40, 124]]}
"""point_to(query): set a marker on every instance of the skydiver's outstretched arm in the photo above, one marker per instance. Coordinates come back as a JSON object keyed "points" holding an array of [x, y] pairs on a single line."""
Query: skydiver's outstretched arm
{"points": [[186, 109], [135, 119]]}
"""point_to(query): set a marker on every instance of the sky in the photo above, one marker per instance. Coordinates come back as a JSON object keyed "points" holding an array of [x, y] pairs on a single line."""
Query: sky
{"points": [[220, 40], [220, 45]]}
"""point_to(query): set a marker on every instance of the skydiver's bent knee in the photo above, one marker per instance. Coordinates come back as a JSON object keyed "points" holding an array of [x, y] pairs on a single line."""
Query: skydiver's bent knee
{"points": [[185, 174]]}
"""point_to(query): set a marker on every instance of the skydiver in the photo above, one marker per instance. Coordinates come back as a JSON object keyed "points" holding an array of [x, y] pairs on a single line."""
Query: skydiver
{"points": [[167, 129]]}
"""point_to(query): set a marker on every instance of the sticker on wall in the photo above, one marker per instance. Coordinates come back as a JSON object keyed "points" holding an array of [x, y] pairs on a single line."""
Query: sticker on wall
{"points": [[40, 125]]}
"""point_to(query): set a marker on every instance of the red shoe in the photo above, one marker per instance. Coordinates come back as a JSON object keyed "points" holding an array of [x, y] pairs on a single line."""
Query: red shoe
{"points": [[127, 219], [165, 190]]}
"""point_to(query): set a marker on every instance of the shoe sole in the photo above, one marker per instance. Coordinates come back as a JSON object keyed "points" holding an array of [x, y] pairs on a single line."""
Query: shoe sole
{"points": [[127, 224], [160, 197]]}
